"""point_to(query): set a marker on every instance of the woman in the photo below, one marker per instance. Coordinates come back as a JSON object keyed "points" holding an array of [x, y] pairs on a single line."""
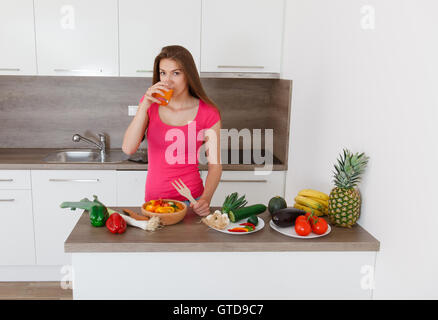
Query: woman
{"points": [[171, 128]]}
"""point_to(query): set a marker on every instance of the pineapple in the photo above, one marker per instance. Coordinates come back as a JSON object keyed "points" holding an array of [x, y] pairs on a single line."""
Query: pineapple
{"points": [[344, 200]]}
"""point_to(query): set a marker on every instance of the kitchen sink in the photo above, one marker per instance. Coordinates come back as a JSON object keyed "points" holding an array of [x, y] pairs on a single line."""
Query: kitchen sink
{"points": [[85, 156]]}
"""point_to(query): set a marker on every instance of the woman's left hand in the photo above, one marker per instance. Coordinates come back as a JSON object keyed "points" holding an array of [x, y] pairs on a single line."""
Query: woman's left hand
{"points": [[202, 207]]}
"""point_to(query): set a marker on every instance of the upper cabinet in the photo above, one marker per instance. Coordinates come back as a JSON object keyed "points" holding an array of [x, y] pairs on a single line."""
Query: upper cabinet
{"points": [[147, 26], [76, 37], [17, 38], [241, 35], [123, 37]]}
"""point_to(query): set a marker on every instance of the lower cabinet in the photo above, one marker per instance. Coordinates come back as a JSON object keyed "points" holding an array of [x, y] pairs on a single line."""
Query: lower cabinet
{"points": [[131, 186], [257, 188], [52, 224], [30, 200], [17, 235]]}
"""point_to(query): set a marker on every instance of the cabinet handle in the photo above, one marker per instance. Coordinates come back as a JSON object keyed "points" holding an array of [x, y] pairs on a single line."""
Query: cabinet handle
{"points": [[6, 180], [74, 180], [144, 71], [9, 69], [4, 200], [242, 67], [262, 180], [76, 70]]}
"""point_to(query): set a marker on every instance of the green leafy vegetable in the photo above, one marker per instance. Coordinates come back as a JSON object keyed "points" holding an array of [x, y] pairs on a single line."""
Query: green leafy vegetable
{"points": [[232, 202]]}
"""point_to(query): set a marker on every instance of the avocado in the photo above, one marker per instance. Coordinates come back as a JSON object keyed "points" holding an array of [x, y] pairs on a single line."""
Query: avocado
{"points": [[276, 203]]}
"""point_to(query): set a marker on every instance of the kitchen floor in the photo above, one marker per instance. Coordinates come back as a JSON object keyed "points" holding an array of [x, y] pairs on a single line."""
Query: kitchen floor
{"points": [[50, 290]]}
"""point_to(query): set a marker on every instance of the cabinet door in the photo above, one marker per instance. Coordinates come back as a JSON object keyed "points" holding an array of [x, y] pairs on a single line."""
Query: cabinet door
{"points": [[17, 235], [241, 35], [14, 179], [257, 188], [52, 224], [77, 37], [17, 38], [147, 26], [131, 187]]}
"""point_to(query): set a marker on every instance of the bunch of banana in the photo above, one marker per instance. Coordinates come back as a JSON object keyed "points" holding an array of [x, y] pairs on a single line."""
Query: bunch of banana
{"points": [[308, 200]]}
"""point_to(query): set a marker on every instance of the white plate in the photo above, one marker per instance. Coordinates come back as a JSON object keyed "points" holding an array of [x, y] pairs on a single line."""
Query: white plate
{"points": [[290, 231], [232, 225]]}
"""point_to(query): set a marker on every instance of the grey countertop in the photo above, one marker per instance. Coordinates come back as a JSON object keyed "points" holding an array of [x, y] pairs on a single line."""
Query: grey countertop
{"points": [[190, 235], [32, 158]]}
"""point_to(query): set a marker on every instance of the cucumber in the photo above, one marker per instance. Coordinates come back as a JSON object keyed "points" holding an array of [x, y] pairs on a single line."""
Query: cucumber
{"points": [[246, 212]]}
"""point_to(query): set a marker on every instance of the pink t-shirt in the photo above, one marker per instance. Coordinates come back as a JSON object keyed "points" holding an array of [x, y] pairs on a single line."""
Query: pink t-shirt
{"points": [[172, 153]]}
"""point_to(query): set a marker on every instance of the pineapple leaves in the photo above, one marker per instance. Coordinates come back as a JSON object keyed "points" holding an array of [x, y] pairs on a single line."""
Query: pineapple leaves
{"points": [[349, 169]]}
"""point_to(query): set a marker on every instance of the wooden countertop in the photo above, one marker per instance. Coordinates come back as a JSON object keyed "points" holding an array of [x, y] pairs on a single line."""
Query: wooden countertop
{"points": [[190, 235], [32, 158]]}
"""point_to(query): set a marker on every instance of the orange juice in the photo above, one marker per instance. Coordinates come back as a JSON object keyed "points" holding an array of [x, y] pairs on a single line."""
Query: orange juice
{"points": [[167, 95]]}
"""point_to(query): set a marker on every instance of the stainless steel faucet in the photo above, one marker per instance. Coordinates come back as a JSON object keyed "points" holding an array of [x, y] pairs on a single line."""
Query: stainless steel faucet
{"points": [[101, 145]]}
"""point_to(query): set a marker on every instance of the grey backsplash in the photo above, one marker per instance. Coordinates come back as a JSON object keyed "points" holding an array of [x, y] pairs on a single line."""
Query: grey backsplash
{"points": [[45, 112]]}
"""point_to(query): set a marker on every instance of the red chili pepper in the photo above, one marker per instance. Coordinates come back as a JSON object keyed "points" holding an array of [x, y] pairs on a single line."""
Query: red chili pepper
{"points": [[248, 224], [238, 229], [115, 223]]}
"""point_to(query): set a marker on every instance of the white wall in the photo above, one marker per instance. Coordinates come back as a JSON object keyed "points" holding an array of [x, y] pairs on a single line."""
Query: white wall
{"points": [[374, 91]]}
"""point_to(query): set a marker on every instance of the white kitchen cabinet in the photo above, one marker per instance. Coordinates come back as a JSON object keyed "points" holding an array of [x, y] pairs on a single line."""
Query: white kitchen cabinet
{"points": [[17, 38], [77, 37], [340, 274], [17, 246], [257, 188], [52, 224], [147, 26], [131, 186], [15, 179], [241, 35]]}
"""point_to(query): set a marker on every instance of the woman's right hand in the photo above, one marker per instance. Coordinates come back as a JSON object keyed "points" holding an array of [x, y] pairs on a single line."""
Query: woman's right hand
{"points": [[148, 99]]}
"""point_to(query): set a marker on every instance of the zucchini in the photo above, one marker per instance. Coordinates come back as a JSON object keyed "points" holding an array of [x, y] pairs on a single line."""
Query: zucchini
{"points": [[253, 219], [246, 212]]}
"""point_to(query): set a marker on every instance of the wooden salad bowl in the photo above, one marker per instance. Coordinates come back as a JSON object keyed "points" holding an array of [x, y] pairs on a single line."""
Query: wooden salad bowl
{"points": [[167, 219]]}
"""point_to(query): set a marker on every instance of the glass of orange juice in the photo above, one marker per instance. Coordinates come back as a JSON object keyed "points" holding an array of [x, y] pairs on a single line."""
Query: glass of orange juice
{"points": [[165, 98]]}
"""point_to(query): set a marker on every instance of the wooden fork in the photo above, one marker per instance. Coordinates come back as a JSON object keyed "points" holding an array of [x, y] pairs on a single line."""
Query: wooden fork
{"points": [[183, 190]]}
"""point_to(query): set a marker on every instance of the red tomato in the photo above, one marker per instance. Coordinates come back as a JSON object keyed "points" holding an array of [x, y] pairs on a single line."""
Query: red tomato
{"points": [[320, 227], [302, 228], [299, 218], [312, 219]]}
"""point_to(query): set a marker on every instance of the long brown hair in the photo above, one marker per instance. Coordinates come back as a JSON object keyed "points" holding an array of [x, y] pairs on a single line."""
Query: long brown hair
{"points": [[185, 59]]}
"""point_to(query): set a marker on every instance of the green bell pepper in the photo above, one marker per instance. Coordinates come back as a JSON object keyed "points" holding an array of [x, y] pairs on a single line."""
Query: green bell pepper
{"points": [[98, 215], [98, 212]]}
